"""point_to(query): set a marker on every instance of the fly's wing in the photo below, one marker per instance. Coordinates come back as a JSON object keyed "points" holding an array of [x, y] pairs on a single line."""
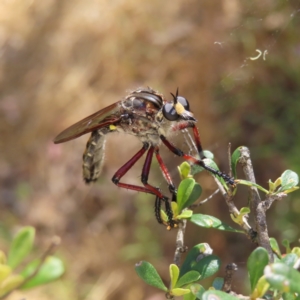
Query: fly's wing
{"points": [[103, 118]]}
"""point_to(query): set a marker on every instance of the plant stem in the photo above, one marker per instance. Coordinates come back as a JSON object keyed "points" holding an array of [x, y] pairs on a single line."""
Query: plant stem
{"points": [[257, 206]]}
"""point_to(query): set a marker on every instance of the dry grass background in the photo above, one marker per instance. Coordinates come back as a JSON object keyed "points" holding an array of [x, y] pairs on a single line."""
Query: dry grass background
{"points": [[63, 60]]}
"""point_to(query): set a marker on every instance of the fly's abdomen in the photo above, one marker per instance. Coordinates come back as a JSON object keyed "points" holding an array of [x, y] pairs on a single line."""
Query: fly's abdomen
{"points": [[93, 155]]}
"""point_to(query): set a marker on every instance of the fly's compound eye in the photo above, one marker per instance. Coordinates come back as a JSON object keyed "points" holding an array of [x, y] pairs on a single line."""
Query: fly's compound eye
{"points": [[169, 112], [183, 102]]}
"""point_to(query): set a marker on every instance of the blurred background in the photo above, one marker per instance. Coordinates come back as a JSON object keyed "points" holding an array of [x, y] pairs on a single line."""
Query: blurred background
{"points": [[63, 60]]}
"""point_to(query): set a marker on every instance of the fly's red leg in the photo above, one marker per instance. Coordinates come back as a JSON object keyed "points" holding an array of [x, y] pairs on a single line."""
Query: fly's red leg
{"points": [[193, 160], [172, 190], [166, 174], [126, 167], [198, 142], [159, 196], [147, 188]]}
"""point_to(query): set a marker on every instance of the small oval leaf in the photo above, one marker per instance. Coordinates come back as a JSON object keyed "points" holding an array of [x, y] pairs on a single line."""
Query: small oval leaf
{"points": [[185, 190], [179, 292], [10, 283], [184, 170], [149, 274], [51, 270], [174, 274], [289, 179], [207, 221], [187, 278], [283, 278], [261, 288], [3, 258], [217, 295], [194, 196], [249, 183], [234, 161], [275, 247], [194, 256], [206, 266], [290, 259], [189, 296], [186, 214], [209, 162], [256, 263], [197, 290], [218, 283], [21, 246], [5, 271]]}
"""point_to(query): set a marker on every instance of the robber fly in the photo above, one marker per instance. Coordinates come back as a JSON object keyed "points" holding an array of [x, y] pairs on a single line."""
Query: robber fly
{"points": [[147, 115]]}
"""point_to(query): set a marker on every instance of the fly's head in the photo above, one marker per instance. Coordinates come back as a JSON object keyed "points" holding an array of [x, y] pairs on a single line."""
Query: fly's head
{"points": [[178, 109]]}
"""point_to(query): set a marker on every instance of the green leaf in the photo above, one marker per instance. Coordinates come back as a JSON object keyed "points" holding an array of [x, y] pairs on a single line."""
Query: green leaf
{"points": [[174, 207], [21, 246], [218, 283], [3, 258], [295, 188], [249, 183], [179, 292], [212, 164], [290, 259], [208, 154], [217, 295], [296, 250], [194, 256], [197, 290], [277, 183], [187, 278], [189, 296], [51, 270], [286, 244], [256, 263], [184, 170], [289, 179], [5, 271], [174, 274], [275, 247], [207, 221], [10, 283], [186, 214], [209, 162], [164, 216], [149, 274], [271, 186], [288, 296], [239, 219], [234, 160], [188, 192], [206, 266], [283, 278], [245, 210], [261, 288]]}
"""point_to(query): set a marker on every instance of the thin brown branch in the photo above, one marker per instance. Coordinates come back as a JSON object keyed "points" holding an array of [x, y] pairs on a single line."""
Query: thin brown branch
{"points": [[257, 205], [180, 248], [234, 211], [229, 271]]}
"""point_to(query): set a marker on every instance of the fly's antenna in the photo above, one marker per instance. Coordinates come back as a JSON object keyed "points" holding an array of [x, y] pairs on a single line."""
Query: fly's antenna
{"points": [[175, 97]]}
